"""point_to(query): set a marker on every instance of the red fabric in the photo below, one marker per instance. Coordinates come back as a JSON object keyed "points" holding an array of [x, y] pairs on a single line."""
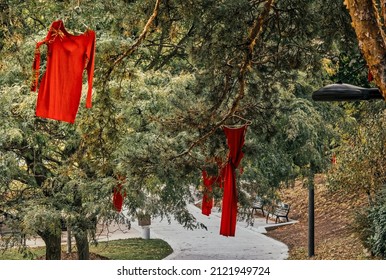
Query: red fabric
{"points": [[61, 85], [370, 77], [221, 168], [118, 195], [207, 200], [36, 67], [118, 198], [235, 139], [333, 159]]}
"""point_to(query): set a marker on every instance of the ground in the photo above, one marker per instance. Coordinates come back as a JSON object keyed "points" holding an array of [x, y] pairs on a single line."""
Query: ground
{"points": [[335, 238], [334, 218], [74, 256]]}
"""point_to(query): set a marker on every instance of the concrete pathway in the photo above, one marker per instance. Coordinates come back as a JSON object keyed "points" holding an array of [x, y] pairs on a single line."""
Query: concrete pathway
{"points": [[200, 244], [249, 243]]}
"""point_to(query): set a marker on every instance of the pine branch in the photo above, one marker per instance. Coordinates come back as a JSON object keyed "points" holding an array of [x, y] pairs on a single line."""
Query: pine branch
{"points": [[250, 43], [137, 43], [175, 50]]}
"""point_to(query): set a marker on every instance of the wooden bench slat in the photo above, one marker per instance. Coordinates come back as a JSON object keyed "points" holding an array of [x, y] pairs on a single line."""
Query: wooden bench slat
{"points": [[280, 211], [258, 204]]}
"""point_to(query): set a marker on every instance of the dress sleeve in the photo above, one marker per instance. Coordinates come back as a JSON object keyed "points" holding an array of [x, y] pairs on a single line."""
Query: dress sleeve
{"points": [[36, 62], [36, 68], [90, 57]]}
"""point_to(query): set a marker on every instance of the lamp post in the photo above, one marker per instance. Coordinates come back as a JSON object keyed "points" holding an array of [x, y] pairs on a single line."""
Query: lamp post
{"points": [[334, 92], [311, 219], [346, 92]]}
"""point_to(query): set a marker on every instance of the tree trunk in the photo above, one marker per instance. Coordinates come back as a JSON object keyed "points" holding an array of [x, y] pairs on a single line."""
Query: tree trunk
{"points": [[366, 20], [82, 245], [81, 234], [53, 244]]}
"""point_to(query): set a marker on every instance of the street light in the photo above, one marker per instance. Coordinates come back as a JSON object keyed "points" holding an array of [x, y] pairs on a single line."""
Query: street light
{"points": [[346, 92], [334, 92]]}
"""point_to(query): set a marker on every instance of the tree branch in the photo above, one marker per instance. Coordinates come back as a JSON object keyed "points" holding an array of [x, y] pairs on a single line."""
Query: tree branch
{"points": [[138, 42], [250, 43], [174, 52]]}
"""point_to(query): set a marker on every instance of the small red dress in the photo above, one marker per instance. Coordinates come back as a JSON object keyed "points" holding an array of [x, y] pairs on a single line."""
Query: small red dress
{"points": [[207, 199], [118, 197], [61, 85]]}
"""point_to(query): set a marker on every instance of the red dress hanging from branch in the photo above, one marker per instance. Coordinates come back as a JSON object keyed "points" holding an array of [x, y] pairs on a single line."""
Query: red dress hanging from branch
{"points": [[60, 89], [118, 196], [207, 199], [235, 139]]}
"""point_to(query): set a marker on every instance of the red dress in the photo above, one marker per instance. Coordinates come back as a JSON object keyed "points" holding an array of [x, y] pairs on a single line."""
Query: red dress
{"points": [[207, 199], [119, 195], [235, 139], [118, 198], [61, 85]]}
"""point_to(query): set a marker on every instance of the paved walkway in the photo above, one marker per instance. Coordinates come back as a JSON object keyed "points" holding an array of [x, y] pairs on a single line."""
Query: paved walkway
{"points": [[200, 244], [249, 243]]}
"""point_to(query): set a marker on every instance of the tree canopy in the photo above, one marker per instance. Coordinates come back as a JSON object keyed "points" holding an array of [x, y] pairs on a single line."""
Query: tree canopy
{"points": [[168, 74]]}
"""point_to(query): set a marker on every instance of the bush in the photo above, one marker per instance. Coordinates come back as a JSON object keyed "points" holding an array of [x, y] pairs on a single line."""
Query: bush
{"points": [[363, 226], [377, 239]]}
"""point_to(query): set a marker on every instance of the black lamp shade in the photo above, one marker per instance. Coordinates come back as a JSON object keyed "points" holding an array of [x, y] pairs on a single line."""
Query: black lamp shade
{"points": [[346, 92]]}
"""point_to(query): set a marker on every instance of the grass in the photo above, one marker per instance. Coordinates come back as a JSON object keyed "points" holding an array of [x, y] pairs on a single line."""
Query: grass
{"points": [[123, 249], [133, 249]]}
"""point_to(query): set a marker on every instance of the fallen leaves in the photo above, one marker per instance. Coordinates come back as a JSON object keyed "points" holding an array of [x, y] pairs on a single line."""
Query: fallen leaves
{"points": [[334, 215]]}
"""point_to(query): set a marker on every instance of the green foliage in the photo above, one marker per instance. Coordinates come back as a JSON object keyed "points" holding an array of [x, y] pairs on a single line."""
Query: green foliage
{"points": [[156, 103], [361, 157], [363, 226], [377, 240], [371, 226], [360, 152]]}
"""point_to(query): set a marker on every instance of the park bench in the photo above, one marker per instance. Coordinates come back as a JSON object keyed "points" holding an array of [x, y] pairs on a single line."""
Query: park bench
{"points": [[258, 204], [279, 210]]}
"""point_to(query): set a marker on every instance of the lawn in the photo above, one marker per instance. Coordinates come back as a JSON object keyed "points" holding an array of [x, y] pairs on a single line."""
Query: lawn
{"points": [[123, 249]]}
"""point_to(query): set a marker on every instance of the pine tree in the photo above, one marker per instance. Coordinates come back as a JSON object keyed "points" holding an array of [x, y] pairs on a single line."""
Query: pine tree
{"points": [[168, 75]]}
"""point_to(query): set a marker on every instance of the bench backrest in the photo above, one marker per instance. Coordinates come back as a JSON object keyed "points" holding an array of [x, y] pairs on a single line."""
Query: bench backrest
{"points": [[282, 209], [258, 203]]}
